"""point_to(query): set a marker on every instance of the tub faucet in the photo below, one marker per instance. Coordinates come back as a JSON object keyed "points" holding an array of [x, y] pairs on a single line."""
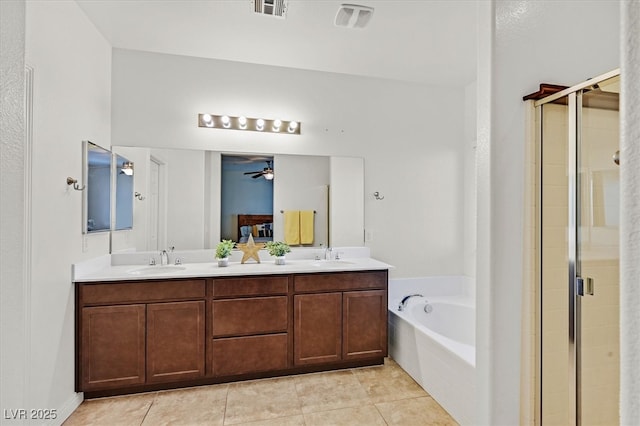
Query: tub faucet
{"points": [[405, 300]]}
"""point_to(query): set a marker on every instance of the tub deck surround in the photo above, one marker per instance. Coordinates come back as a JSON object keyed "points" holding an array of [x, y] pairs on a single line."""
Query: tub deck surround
{"points": [[438, 348], [205, 324]]}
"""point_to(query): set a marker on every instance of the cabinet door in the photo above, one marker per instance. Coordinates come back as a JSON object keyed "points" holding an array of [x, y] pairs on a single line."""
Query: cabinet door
{"points": [[317, 328], [112, 346], [364, 324], [175, 341]]}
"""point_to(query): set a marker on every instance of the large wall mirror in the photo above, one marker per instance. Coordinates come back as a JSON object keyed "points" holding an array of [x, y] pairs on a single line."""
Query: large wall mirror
{"points": [[96, 212], [181, 204]]}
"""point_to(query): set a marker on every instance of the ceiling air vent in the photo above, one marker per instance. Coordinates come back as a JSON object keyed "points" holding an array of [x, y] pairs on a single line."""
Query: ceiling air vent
{"points": [[353, 16], [277, 8]]}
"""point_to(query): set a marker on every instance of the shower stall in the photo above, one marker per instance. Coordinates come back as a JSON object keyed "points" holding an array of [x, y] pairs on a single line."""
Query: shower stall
{"points": [[577, 254]]}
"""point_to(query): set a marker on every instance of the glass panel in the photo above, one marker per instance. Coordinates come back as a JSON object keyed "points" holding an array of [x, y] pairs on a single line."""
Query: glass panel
{"points": [[98, 192], [555, 390], [598, 253], [124, 193]]}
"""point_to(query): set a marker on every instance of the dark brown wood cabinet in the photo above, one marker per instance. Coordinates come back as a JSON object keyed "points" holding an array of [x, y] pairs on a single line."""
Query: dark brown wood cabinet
{"points": [[138, 333], [113, 349], [364, 334], [250, 323], [134, 336], [175, 341], [317, 328], [340, 317]]}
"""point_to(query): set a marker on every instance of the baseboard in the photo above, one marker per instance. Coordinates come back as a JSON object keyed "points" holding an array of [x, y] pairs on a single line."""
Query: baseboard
{"points": [[66, 409]]}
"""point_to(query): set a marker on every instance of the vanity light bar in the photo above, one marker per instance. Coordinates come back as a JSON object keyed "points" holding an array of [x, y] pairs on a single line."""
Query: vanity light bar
{"points": [[245, 123]]}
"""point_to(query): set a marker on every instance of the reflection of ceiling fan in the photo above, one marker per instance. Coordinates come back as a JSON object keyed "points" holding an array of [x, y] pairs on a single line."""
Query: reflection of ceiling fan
{"points": [[267, 172]]}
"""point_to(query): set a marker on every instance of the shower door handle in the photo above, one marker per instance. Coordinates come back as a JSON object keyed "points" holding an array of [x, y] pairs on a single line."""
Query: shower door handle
{"points": [[584, 286]]}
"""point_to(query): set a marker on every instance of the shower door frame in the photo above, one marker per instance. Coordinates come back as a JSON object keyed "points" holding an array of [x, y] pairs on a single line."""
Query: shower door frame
{"points": [[574, 97]]}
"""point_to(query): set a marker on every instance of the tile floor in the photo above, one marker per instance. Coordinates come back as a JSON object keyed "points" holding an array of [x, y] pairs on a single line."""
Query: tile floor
{"points": [[379, 395]]}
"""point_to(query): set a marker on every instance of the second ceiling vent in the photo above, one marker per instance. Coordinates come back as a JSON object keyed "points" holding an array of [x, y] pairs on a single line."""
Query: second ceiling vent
{"points": [[353, 16], [276, 8]]}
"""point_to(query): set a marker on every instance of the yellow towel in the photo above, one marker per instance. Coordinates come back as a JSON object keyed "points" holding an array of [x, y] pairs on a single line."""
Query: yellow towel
{"points": [[306, 226], [292, 226]]}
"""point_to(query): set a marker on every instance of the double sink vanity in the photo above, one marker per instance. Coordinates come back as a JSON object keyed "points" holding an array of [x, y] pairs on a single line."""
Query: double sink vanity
{"points": [[142, 328]]}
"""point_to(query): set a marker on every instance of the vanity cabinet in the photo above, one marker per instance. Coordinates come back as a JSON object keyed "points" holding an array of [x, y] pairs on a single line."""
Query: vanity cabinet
{"points": [[138, 333], [340, 317], [144, 335], [250, 325]]}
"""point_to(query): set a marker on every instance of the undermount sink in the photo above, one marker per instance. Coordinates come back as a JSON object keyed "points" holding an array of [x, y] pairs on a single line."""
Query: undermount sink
{"points": [[331, 263], [157, 269]]}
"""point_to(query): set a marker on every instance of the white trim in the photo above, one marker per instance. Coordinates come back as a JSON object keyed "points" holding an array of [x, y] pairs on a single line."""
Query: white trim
{"points": [[27, 214], [65, 410]]}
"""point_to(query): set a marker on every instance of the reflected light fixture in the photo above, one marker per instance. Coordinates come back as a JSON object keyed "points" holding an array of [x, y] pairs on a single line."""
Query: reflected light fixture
{"points": [[268, 175], [246, 123], [127, 168]]}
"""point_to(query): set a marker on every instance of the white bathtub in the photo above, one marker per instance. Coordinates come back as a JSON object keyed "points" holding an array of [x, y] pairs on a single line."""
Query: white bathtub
{"points": [[438, 348]]}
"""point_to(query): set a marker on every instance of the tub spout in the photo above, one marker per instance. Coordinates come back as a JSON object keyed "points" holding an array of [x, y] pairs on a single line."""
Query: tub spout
{"points": [[405, 299]]}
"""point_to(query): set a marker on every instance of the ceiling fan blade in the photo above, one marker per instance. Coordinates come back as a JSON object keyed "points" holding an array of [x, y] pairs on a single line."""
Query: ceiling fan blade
{"points": [[256, 176], [250, 173]]}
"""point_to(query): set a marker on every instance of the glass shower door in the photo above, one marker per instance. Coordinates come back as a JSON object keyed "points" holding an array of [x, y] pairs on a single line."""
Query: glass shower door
{"points": [[597, 260], [578, 300]]}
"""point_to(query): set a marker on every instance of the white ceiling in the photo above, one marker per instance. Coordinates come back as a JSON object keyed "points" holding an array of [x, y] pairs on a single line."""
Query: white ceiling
{"points": [[423, 41]]}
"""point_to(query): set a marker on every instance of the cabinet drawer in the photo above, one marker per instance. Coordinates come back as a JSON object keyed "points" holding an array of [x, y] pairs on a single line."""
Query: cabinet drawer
{"points": [[251, 354], [250, 286], [141, 291], [340, 281], [255, 315]]}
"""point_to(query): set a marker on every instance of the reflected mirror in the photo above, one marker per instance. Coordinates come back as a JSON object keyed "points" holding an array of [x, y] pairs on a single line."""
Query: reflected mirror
{"points": [[123, 177], [97, 195]]}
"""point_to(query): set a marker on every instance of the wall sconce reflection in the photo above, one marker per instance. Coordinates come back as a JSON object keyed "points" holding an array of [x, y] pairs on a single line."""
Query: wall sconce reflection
{"points": [[127, 168], [245, 123]]}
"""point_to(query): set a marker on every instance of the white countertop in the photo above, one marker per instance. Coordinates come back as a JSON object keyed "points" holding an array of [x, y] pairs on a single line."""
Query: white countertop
{"points": [[108, 272]]}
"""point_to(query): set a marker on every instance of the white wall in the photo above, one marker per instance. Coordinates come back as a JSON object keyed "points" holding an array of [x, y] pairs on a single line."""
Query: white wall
{"points": [[630, 217], [14, 285], [531, 42], [72, 80], [411, 138]]}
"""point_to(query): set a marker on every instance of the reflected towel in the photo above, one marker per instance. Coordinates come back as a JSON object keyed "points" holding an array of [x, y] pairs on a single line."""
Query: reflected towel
{"points": [[306, 226], [292, 226]]}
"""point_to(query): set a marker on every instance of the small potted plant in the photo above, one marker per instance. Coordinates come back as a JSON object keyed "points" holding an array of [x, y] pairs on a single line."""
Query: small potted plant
{"points": [[223, 250], [278, 249]]}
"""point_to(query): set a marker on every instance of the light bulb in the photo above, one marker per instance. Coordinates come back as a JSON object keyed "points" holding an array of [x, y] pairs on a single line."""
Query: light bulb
{"points": [[226, 121], [276, 125], [242, 121], [292, 126], [260, 124], [207, 120]]}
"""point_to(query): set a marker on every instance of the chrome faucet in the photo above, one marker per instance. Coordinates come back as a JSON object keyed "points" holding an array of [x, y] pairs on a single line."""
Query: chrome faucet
{"points": [[327, 251], [405, 300], [164, 257]]}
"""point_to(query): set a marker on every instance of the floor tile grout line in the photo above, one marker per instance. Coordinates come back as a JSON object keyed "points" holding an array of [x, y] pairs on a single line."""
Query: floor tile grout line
{"points": [[155, 395]]}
